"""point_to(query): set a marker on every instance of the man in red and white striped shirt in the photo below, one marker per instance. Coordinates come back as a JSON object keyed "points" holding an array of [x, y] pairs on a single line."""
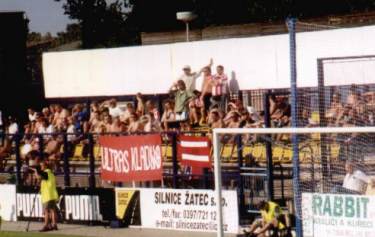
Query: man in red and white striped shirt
{"points": [[219, 88]]}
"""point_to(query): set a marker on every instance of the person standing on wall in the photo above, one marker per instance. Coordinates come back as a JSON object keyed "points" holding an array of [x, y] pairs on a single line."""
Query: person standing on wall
{"points": [[49, 196]]}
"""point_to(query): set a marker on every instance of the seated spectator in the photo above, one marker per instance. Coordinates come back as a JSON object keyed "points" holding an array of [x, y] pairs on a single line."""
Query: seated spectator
{"points": [[5, 151], [13, 126], [71, 137], [95, 121], [168, 115], [182, 98], [355, 181], [152, 110], [42, 129], [254, 116], [233, 120], [245, 120], [32, 114], [196, 109], [60, 116], [94, 108], [336, 106], [353, 98], [52, 151], [214, 120], [46, 114]]}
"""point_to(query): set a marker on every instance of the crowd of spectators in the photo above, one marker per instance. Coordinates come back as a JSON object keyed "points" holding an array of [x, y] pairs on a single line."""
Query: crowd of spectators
{"points": [[186, 108]]}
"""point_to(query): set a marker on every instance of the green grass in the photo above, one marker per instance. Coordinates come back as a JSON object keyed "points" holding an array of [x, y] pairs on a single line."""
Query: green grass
{"points": [[30, 234]]}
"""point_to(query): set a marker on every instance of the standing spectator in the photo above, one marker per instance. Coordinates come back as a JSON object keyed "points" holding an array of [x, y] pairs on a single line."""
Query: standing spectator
{"points": [[189, 78], [219, 88], [140, 105], [133, 123], [152, 110], [116, 126], [107, 122], [182, 97], [206, 87], [124, 117]]}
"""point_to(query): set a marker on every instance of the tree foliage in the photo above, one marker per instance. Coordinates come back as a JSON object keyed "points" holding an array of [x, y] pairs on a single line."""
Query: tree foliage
{"points": [[102, 24], [107, 23]]}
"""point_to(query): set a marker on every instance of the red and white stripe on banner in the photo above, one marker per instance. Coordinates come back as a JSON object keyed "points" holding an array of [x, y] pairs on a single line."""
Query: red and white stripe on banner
{"points": [[195, 151]]}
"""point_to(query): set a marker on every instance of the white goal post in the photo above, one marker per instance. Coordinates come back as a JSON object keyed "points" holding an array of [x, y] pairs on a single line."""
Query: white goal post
{"points": [[235, 131]]}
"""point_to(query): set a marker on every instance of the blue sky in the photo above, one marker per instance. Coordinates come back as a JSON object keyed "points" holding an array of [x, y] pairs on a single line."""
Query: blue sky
{"points": [[44, 15]]}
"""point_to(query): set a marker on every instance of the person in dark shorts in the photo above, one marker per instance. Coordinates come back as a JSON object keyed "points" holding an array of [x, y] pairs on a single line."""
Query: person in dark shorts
{"points": [[49, 196]]}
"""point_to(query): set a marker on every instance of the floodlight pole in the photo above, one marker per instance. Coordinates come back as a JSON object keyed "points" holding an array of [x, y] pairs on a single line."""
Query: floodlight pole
{"points": [[186, 17], [187, 31], [217, 171]]}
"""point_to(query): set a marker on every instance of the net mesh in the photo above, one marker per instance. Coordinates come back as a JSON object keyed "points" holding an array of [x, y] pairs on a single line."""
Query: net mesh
{"points": [[343, 96]]}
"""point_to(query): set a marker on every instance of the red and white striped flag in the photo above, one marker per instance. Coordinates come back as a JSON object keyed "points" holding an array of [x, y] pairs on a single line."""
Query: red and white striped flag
{"points": [[195, 151]]}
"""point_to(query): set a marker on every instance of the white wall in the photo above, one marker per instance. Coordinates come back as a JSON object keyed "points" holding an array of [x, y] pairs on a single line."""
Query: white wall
{"points": [[8, 202], [255, 63]]}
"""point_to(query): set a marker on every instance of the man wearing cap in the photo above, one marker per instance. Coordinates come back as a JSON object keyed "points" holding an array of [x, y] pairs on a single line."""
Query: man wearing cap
{"points": [[190, 77]]}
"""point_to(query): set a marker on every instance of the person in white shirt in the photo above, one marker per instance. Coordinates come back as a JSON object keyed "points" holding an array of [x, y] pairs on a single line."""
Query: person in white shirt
{"points": [[32, 114], [114, 110], [355, 181], [190, 77], [13, 126]]}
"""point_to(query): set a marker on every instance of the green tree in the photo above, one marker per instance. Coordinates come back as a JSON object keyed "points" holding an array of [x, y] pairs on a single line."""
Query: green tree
{"points": [[102, 24]]}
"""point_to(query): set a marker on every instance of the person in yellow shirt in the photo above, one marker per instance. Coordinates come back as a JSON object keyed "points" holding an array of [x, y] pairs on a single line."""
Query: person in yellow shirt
{"points": [[49, 196], [270, 221]]}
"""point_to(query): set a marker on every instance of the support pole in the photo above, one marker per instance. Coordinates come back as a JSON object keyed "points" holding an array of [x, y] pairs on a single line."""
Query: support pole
{"points": [[187, 31], [293, 89], [174, 160], [240, 183], [17, 139], [217, 166], [66, 162], [267, 123], [323, 123], [92, 162]]}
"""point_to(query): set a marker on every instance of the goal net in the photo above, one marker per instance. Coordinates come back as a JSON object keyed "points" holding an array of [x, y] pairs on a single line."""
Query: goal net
{"points": [[303, 160]]}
